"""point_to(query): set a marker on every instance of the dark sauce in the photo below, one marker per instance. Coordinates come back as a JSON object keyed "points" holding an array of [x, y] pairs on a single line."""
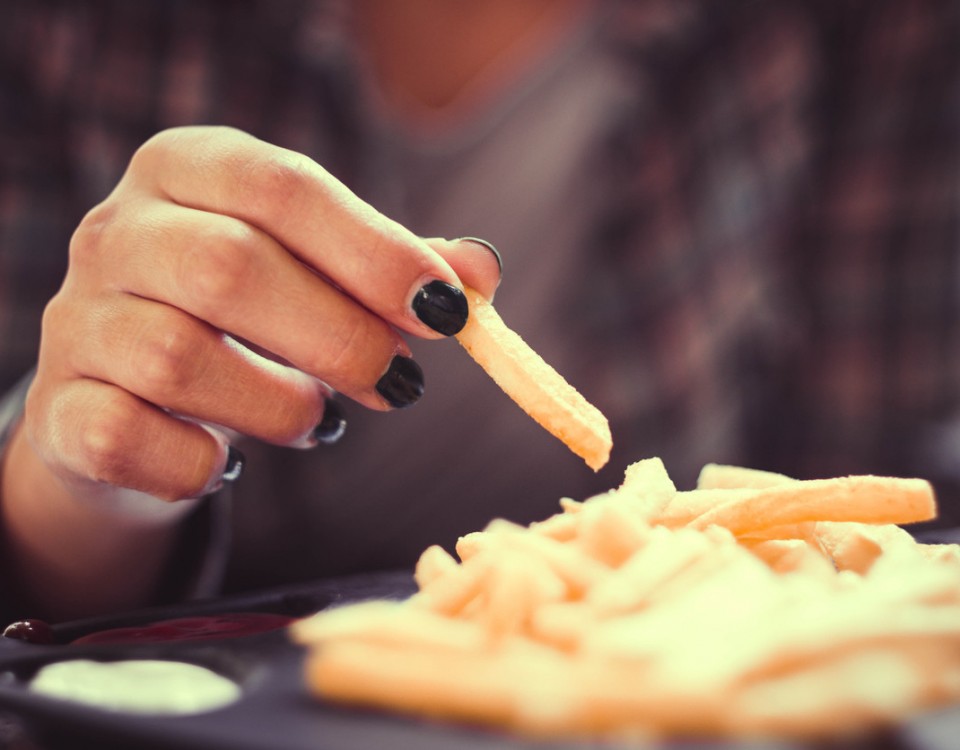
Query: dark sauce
{"points": [[31, 631], [199, 628]]}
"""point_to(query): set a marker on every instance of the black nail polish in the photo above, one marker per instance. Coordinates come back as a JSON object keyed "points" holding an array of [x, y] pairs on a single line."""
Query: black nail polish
{"points": [[441, 306], [488, 245], [234, 467], [402, 384], [333, 424]]}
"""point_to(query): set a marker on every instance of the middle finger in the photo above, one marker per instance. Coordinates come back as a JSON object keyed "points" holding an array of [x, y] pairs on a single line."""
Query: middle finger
{"points": [[174, 361], [240, 280]]}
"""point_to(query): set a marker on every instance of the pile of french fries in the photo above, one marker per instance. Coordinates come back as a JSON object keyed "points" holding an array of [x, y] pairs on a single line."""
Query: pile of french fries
{"points": [[754, 604]]}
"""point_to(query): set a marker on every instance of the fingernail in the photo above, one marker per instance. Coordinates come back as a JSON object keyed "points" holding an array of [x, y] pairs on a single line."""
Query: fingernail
{"points": [[333, 424], [402, 384], [488, 245], [441, 306], [234, 467]]}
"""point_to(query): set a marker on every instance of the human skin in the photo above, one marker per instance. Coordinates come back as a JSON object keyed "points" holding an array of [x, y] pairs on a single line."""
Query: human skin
{"points": [[438, 60], [225, 281]]}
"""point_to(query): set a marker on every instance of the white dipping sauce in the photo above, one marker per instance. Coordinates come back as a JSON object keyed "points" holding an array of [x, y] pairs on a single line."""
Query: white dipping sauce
{"points": [[146, 686]]}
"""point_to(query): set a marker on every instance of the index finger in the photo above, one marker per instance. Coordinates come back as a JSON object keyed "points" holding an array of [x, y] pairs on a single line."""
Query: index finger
{"points": [[372, 258]]}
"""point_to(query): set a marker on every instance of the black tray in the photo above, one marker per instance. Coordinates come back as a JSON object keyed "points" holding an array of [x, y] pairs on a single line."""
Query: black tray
{"points": [[275, 711]]}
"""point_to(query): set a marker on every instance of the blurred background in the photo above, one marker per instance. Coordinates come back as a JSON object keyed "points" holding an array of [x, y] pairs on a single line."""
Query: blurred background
{"points": [[733, 226]]}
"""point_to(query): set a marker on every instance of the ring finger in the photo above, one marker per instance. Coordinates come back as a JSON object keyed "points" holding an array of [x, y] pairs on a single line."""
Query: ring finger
{"points": [[174, 361], [240, 280]]}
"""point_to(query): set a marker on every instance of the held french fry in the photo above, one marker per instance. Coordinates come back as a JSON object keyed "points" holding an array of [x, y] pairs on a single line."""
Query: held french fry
{"points": [[535, 386]]}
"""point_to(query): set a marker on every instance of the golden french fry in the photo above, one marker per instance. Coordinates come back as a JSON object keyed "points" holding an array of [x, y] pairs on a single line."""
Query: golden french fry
{"points": [[434, 563], [643, 578], [562, 526], [516, 588], [610, 532], [388, 624], [791, 556], [948, 554], [855, 546], [806, 531], [866, 499], [575, 568], [562, 624], [754, 604], [727, 477], [451, 593], [463, 685], [689, 505], [850, 691], [469, 545], [536, 387], [691, 632], [647, 487]]}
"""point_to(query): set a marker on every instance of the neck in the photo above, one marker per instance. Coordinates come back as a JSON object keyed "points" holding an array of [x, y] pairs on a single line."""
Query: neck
{"points": [[427, 53]]}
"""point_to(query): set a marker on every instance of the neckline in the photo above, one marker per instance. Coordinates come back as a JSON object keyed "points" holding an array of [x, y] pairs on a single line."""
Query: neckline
{"points": [[503, 86]]}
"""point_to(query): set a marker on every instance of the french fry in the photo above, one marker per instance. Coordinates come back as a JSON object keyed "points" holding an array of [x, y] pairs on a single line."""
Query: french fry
{"points": [[562, 526], [665, 556], [469, 545], [948, 554], [647, 487], [535, 386], [806, 531], [867, 499], [850, 692], [516, 589], [792, 556], [855, 546], [570, 564], [684, 507], [434, 563], [467, 685], [610, 532], [726, 477], [563, 624], [756, 604], [389, 624], [451, 593]]}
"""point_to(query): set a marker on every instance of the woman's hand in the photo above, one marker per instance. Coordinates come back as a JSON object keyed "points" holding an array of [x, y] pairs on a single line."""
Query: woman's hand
{"points": [[225, 286], [233, 283]]}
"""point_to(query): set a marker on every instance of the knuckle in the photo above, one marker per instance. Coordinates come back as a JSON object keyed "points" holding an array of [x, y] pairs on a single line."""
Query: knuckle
{"points": [[150, 150], [55, 312], [219, 267], [89, 237], [65, 331], [105, 442], [156, 148], [278, 183], [220, 141], [165, 357]]}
